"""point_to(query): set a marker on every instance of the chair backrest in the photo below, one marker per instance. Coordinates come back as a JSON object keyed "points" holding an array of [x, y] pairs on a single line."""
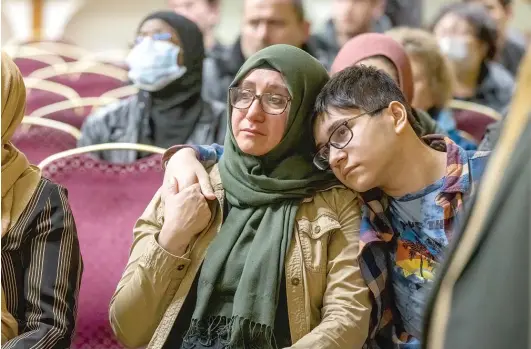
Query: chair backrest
{"points": [[62, 49], [40, 93], [89, 84], [39, 138], [80, 67], [467, 136], [106, 201], [28, 65], [87, 150], [29, 59], [71, 111], [121, 92], [473, 118]]}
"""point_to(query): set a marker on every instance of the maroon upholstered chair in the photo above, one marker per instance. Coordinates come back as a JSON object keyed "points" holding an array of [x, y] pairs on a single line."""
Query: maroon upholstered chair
{"points": [[473, 118], [89, 84], [27, 65], [40, 138], [71, 111], [106, 201], [41, 93], [88, 78], [63, 49]]}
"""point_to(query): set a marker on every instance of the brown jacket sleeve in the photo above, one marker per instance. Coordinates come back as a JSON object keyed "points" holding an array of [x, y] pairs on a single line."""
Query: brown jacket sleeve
{"points": [[149, 282]]}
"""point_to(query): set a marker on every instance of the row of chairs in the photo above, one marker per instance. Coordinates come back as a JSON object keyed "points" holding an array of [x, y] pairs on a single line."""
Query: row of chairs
{"points": [[68, 83], [65, 82]]}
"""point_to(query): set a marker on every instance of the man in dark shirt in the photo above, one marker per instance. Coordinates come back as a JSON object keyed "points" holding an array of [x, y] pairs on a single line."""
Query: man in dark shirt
{"points": [[205, 13], [264, 23], [351, 18]]}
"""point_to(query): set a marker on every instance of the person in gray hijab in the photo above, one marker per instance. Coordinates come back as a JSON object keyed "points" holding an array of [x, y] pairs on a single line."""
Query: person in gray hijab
{"points": [[166, 64]]}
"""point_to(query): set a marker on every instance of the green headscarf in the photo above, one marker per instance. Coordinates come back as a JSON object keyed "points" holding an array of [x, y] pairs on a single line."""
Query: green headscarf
{"points": [[240, 278]]}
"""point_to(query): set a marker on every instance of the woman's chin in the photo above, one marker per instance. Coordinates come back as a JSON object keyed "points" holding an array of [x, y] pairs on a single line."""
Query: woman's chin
{"points": [[252, 147]]}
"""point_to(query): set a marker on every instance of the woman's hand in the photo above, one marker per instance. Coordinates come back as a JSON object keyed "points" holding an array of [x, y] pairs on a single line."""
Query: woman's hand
{"points": [[186, 214], [184, 168]]}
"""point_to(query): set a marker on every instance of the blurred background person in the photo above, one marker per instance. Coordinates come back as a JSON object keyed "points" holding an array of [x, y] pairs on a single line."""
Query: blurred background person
{"points": [[405, 12], [384, 53], [264, 23], [433, 79], [351, 18], [511, 43], [166, 64], [467, 35], [206, 14]]}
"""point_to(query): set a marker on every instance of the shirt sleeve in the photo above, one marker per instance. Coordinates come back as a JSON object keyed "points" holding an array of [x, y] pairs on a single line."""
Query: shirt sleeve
{"points": [[208, 155], [52, 277]]}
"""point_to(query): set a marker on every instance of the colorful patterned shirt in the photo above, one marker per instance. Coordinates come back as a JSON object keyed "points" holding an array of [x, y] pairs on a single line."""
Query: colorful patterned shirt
{"points": [[381, 240]]}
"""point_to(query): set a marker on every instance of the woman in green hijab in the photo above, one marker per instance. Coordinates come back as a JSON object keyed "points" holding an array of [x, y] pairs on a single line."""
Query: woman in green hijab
{"points": [[271, 263]]}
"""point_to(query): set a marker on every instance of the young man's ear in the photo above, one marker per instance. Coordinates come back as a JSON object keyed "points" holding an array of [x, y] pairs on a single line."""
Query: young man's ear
{"points": [[399, 114]]}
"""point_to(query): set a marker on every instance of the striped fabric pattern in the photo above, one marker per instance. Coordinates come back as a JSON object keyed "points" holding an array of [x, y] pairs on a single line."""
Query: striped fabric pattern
{"points": [[41, 271], [464, 169]]}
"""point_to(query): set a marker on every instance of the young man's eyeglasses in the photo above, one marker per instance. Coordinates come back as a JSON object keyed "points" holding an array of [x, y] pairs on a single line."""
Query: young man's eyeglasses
{"points": [[270, 103], [339, 139]]}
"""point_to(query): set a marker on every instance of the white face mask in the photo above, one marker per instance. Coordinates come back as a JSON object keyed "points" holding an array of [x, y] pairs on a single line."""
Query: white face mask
{"points": [[454, 47], [153, 64]]}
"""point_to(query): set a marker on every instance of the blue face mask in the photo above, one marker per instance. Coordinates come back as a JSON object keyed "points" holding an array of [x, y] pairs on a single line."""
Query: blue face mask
{"points": [[153, 64]]}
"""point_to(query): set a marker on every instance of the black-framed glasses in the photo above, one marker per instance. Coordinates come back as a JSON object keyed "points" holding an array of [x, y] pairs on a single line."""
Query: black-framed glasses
{"points": [[339, 139], [271, 103]]}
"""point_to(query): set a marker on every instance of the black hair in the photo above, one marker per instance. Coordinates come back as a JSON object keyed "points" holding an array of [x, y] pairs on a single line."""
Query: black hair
{"points": [[478, 17], [365, 88]]}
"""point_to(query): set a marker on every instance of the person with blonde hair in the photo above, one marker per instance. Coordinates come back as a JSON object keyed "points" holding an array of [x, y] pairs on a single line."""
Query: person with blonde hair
{"points": [[433, 79], [41, 260]]}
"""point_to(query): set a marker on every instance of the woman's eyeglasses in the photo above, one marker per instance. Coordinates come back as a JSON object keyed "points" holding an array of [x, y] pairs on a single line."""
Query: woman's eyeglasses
{"points": [[339, 139], [270, 103]]}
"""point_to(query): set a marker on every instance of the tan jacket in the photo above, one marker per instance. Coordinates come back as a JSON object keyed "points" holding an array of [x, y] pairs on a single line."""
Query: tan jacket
{"points": [[328, 301]]}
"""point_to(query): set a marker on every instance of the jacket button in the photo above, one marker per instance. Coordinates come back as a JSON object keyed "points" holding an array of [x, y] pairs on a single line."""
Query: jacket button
{"points": [[295, 281], [180, 267], [317, 229]]}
